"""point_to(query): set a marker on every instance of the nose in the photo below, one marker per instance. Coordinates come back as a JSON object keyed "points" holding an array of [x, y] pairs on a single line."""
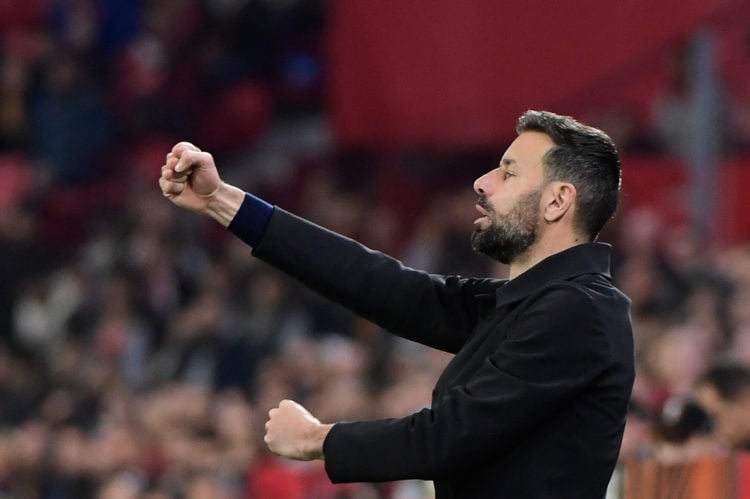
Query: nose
{"points": [[482, 185]]}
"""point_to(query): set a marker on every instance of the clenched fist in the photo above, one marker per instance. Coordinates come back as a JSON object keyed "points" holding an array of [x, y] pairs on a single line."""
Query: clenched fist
{"points": [[190, 180], [294, 433]]}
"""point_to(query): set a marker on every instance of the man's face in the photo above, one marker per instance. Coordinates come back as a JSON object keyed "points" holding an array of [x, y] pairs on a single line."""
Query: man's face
{"points": [[506, 236], [731, 419], [509, 200]]}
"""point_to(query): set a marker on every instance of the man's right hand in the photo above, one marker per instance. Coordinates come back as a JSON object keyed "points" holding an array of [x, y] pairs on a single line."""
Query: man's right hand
{"points": [[190, 180], [189, 177]]}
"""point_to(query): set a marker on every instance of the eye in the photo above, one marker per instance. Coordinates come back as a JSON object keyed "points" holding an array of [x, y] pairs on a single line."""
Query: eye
{"points": [[507, 175]]}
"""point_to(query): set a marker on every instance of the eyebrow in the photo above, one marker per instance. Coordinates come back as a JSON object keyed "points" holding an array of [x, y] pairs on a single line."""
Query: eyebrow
{"points": [[507, 162]]}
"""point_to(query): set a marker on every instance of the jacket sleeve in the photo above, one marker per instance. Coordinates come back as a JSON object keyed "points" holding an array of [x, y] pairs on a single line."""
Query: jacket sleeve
{"points": [[434, 310], [553, 351]]}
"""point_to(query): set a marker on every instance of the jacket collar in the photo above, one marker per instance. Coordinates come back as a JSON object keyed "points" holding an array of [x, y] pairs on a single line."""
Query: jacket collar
{"points": [[587, 258]]}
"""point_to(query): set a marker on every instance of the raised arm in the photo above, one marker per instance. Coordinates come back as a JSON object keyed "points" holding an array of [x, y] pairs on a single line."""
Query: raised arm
{"points": [[434, 310], [438, 311]]}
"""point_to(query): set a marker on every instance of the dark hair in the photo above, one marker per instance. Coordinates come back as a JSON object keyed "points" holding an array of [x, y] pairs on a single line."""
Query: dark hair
{"points": [[730, 380], [584, 156]]}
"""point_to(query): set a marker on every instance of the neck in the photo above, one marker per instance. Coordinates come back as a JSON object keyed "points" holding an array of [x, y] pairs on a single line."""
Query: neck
{"points": [[544, 247]]}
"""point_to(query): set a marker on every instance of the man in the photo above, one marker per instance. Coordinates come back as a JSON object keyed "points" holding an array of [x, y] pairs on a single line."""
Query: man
{"points": [[724, 393], [533, 404]]}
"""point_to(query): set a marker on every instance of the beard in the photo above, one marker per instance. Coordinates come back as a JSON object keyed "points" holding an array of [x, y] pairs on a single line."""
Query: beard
{"points": [[508, 236]]}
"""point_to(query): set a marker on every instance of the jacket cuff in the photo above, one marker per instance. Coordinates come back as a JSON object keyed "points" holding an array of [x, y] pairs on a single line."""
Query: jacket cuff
{"points": [[250, 222]]}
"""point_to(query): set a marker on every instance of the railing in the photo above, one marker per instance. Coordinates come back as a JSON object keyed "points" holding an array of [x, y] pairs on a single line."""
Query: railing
{"points": [[724, 477]]}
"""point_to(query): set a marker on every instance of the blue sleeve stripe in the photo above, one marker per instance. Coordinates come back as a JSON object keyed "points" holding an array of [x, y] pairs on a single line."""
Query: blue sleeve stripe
{"points": [[250, 222]]}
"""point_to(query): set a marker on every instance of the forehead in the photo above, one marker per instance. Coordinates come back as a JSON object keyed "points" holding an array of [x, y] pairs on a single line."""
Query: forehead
{"points": [[528, 149]]}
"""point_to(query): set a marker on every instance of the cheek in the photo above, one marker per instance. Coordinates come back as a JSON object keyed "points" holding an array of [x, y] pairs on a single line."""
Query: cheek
{"points": [[501, 205]]}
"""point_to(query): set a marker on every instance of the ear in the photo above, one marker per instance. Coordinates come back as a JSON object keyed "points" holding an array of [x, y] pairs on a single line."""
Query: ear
{"points": [[560, 198]]}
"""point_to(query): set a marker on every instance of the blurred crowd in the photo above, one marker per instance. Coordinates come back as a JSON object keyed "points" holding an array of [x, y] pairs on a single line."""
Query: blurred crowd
{"points": [[141, 347]]}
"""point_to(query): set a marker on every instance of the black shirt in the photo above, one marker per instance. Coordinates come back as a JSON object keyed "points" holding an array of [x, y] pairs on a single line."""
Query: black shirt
{"points": [[532, 405]]}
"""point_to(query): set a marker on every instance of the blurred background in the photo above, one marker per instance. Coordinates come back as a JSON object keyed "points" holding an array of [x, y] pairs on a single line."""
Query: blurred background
{"points": [[141, 347]]}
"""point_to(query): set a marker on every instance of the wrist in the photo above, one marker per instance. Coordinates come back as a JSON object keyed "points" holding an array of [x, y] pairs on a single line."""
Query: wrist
{"points": [[224, 203], [319, 436]]}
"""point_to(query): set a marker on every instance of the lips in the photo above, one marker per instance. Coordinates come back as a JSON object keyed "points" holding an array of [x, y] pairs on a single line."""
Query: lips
{"points": [[484, 215], [485, 211], [481, 210]]}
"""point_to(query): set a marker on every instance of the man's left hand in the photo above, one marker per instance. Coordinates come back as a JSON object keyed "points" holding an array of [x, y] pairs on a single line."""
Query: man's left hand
{"points": [[294, 433]]}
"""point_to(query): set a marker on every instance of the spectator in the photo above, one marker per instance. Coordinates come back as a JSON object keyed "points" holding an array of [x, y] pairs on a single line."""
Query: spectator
{"points": [[724, 393]]}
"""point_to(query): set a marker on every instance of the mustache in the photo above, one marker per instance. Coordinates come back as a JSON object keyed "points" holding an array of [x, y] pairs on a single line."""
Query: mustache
{"points": [[485, 205]]}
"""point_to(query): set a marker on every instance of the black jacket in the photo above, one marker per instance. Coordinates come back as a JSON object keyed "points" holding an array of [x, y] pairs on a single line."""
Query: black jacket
{"points": [[533, 403]]}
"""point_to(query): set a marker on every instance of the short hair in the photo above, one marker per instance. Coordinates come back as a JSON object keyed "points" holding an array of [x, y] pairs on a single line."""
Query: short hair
{"points": [[729, 379], [584, 156]]}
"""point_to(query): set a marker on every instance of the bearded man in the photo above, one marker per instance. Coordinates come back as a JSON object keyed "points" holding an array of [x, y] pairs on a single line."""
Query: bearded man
{"points": [[533, 403]]}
